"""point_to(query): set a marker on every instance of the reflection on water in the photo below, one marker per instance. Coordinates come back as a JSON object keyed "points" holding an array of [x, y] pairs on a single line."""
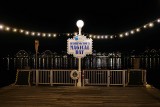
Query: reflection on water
{"points": [[49, 60]]}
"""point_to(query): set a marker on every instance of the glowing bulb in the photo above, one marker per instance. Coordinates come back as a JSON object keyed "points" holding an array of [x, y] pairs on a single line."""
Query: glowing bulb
{"points": [[98, 37], [21, 31], [44, 34], [14, 30], [111, 37], [106, 37], [151, 24], [90, 36], [80, 23], [102, 37], [144, 26], [1, 26], [33, 33], [38, 34], [137, 29], [54, 35], [68, 34], [132, 32], [121, 35], [126, 33], [7, 28], [27, 32], [49, 35], [158, 20], [75, 33], [94, 36]]}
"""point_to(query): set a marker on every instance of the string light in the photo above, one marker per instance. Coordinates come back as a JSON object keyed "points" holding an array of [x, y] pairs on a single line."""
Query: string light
{"points": [[7, 28], [14, 30], [1, 27], [132, 31], [106, 37], [138, 29], [47, 34]]}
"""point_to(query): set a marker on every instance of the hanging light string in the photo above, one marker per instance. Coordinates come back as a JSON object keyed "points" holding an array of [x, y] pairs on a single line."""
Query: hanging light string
{"points": [[127, 33], [105, 36]]}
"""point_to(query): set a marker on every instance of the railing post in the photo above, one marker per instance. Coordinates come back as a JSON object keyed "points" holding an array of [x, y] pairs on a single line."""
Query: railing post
{"points": [[123, 78], [37, 77], [51, 77], [145, 76], [83, 77], [108, 78]]}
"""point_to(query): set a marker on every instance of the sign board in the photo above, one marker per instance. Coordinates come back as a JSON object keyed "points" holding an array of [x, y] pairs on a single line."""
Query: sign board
{"points": [[74, 74], [79, 46]]}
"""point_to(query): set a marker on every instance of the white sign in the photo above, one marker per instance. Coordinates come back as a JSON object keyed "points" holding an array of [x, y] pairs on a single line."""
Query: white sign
{"points": [[79, 46]]}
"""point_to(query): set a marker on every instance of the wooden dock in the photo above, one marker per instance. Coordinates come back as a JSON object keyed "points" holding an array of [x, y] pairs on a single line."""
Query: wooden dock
{"points": [[70, 96]]}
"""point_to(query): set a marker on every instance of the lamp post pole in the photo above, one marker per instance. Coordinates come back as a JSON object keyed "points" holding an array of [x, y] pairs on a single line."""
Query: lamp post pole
{"points": [[80, 24]]}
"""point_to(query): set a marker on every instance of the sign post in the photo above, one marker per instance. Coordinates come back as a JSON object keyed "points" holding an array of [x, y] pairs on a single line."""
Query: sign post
{"points": [[36, 49], [79, 46]]}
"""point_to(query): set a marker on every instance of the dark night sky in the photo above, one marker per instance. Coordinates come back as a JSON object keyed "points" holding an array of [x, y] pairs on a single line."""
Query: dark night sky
{"points": [[99, 17]]}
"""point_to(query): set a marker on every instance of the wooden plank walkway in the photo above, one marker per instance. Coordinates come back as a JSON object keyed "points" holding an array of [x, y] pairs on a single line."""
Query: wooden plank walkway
{"points": [[70, 96]]}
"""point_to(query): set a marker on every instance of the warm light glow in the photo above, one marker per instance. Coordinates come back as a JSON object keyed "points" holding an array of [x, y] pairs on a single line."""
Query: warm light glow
{"points": [[106, 37], [49, 35], [27, 32], [102, 37], [121, 35], [158, 20], [14, 30], [80, 23], [33, 33], [111, 37], [90, 36], [151, 24], [132, 32], [137, 29], [75, 33], [94, 36], [44, 35], [7, 28], [21, 31], [148, 86], [38, 34], [1, 26], [54, 35], [126, 33], [98, 37], [68, 34], [145, 26]]}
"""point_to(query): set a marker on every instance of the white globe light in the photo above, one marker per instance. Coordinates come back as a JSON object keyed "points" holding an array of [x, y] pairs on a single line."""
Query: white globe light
{"points": [[80, 23]]}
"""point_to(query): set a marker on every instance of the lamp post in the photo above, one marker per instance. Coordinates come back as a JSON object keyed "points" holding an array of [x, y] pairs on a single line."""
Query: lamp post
{"points": [[79, 46], [79, 24]]}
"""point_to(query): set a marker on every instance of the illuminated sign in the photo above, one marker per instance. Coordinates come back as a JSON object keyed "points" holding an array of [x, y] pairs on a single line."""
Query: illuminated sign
{"points": [[79, 46]]}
